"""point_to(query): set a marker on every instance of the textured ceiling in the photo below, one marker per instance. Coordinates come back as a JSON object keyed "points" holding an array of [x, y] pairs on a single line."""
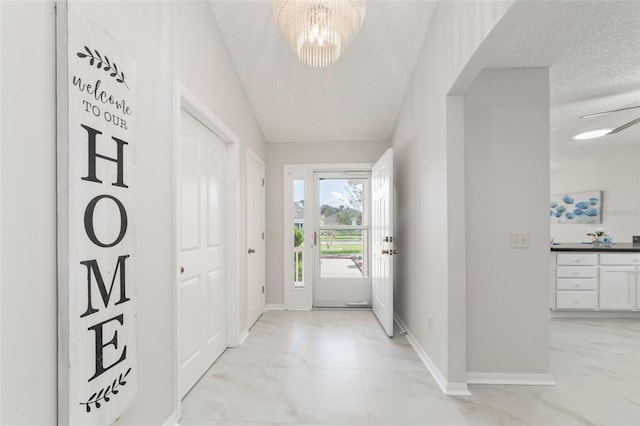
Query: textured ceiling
{"points": [[356, 99], [592, 49]]}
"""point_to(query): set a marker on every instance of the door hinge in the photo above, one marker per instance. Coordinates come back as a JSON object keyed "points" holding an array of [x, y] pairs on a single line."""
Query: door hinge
{"points": [[262, 289], [263, 235], [262, 182]]}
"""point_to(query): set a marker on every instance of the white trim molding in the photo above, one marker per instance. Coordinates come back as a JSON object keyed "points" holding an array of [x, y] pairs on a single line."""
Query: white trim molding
{"points": [[186, 100], [511, 379], [243, 336], [173, 420], [275, 307], [301, 298], [449, 389]]}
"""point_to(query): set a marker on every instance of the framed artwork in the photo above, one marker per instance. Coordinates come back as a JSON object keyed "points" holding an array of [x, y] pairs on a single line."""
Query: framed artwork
{"points": [[576, 207]]}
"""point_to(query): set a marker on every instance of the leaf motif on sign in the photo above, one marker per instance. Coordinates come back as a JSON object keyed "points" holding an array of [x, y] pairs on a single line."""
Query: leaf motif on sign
{"points": [[103, 62], [105, 394]]}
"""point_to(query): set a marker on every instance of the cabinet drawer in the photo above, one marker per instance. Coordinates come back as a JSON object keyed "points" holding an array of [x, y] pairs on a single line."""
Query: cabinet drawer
{"points": [[620, 259], [576, 300], [576, 283], [576, 272], [577, 259]]}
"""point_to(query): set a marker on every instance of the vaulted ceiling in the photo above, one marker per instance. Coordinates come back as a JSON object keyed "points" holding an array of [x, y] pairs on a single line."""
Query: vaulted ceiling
{"points": [[356, 99], [592, 49]]}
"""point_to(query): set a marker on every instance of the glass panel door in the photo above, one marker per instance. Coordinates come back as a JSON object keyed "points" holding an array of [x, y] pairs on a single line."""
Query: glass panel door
{"points": [[341, 240], [298, 233]]}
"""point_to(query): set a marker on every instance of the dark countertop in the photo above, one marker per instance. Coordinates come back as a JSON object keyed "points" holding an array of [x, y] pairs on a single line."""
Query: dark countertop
{"points": [[616, 247]]}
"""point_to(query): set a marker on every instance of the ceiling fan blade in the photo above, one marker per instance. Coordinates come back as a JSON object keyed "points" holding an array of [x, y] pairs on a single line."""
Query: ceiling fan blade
{"points": [[624, 126], [607, 112]]}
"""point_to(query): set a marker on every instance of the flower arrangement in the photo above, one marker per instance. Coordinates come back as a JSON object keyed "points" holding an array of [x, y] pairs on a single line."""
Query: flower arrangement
{"points": [[597, 233]]}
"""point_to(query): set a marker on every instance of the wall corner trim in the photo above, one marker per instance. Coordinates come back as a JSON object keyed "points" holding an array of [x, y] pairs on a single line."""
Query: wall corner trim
{"points": [[511, 379], [449, 389], [243, 336]]}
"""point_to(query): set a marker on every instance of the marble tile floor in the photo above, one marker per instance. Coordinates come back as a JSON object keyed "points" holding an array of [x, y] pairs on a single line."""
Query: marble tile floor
{"points": [[337, 367]]}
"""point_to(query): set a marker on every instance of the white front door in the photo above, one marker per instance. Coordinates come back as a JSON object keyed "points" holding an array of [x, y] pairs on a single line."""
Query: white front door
{"points": [[202, 292], [382, 240], [255, 238]]}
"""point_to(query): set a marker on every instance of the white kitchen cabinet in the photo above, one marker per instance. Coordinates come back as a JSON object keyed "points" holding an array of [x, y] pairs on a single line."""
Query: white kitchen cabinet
{"points": [[619, 281], [576, 281], [596, 281], [617, 288], [576, 300], [638, 289]]}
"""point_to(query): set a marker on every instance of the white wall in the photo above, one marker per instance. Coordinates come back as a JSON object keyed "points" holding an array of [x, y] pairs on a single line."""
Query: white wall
{"points": [[279, 154], [170, 40], [28, 215], [618, 176], [423, 167], [506, 115]]}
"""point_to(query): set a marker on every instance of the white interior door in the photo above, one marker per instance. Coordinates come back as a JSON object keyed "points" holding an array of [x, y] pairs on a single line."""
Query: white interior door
{"points": [[255, 238], [382, 240], [202, 292]]}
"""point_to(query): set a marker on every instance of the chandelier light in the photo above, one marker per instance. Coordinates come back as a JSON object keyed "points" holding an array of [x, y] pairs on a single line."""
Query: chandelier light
{"points": [[318, 30]]}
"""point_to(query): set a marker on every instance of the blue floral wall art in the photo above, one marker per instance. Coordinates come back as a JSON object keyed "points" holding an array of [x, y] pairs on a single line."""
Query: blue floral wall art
{"points": [[576, 207]]}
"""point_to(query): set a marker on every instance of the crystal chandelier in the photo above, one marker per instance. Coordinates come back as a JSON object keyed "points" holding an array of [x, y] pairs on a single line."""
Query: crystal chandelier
{"points": [[318, 30]]}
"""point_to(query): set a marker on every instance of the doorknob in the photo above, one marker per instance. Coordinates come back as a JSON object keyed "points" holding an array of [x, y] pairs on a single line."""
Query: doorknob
{"points": [[182, 269], [392, 252], [385, 252], [252, 250]]}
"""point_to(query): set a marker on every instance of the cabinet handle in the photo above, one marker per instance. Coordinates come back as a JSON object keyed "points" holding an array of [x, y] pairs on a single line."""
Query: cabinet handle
{"points": [[578, 260]]}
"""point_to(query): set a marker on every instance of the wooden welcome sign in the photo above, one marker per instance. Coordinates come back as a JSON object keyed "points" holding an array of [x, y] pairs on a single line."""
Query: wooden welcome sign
{"points": [[96, 104]]}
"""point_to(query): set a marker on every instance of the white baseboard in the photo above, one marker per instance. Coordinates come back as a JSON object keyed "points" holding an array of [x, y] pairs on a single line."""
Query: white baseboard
{"points": [[510, 379], [450, 389], [457, 389], [275, 307], [172, 420]]}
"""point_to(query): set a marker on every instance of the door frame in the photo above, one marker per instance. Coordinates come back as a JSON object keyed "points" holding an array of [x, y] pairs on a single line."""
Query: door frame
{"points": [[302, 298], [251, 154], [187, 101]]}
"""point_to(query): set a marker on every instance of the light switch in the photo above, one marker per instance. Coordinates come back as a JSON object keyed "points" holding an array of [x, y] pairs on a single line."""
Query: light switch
{"points": [[519, 240], [275, 234]]}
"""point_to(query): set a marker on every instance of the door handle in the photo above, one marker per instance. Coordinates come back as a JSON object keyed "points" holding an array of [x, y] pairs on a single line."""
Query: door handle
{"points": [[182, 269], [394, 251], [252, 250], [385, 252]]}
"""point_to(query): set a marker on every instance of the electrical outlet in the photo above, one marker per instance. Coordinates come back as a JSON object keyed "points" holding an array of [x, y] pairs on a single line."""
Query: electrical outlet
{"points": [[430, 322], [519, 240]]}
